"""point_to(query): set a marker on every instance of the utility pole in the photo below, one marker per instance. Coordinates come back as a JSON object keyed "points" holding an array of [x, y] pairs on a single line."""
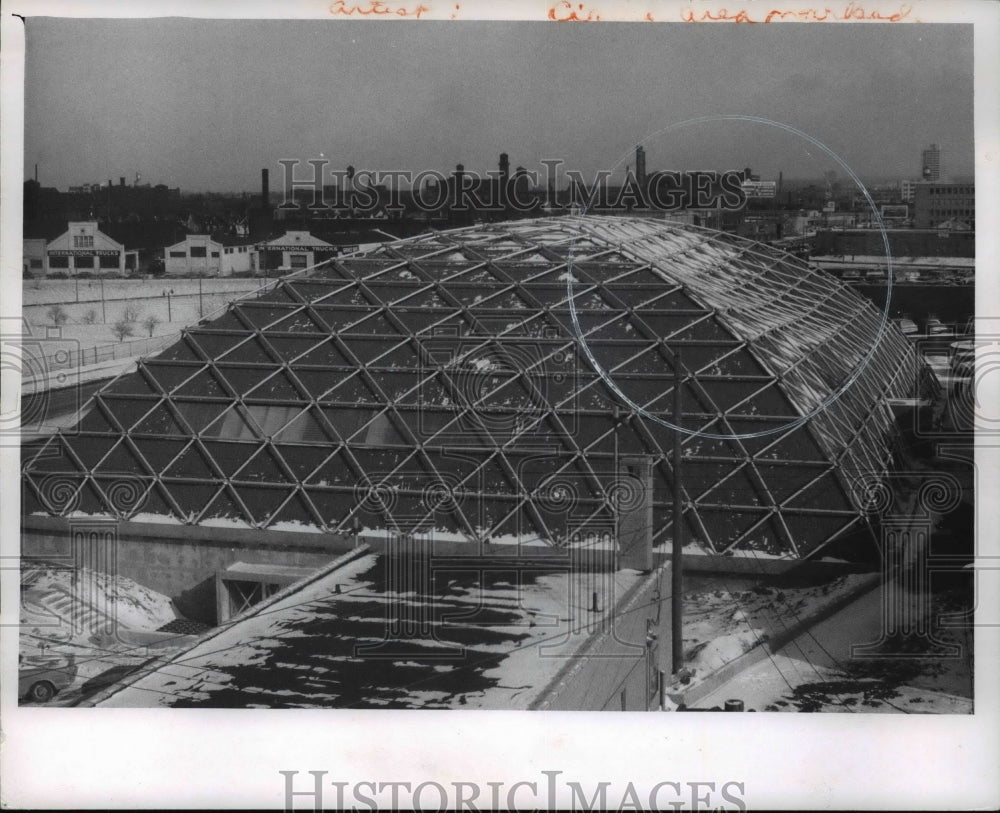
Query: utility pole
{"points": [[616, 468], [676, 569]]}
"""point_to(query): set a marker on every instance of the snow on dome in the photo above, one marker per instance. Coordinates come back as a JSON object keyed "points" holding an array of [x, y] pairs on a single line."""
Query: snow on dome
{"points": [[439, 383]]}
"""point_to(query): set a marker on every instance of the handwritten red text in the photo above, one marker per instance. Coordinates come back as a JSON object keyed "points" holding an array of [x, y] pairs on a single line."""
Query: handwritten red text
{"points": [[376, 8]]}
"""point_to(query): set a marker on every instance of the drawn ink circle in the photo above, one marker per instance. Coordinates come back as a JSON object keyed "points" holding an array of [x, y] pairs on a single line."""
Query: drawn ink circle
{"points": [[837, 393]]}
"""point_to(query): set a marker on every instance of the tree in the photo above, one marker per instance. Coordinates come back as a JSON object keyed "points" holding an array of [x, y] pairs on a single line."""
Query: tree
{"points": [[121, 329], [150, 323], [57, 314], [131, 313], [90, 317]]}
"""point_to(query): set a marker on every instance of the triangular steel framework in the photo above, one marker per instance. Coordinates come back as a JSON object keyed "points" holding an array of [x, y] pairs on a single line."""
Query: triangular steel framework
{"points": [[437, 384]]}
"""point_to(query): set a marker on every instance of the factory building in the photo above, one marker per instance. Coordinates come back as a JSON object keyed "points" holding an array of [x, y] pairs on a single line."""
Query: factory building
{"points": [[293, 251], [935, 204], [216, 257], [84, 248]]}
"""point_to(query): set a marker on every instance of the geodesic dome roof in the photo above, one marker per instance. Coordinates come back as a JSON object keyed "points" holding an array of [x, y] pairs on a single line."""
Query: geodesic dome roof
{"points": [[443, 383]]}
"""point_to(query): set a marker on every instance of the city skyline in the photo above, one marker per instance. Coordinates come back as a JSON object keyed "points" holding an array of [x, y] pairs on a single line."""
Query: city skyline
{"points": [[204, 104]]}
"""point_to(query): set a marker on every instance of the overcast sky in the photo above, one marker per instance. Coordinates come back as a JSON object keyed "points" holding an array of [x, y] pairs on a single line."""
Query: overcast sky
{"points": [[203, 105]]}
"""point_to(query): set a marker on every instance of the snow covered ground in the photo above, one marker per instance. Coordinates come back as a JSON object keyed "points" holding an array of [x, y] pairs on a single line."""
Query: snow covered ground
{"points": [[87, 337], [822, 669], [722, 624], [47, 292], [89, 615]]}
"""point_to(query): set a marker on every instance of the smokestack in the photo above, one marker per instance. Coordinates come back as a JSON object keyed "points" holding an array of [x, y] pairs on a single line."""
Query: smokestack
{"points": [[121, 180], [640, 165], [504, 179], [36, 173], [265, 190], [349, 187]]}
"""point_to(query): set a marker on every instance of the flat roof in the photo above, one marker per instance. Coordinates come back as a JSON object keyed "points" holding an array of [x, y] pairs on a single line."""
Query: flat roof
{"points": [[390, 632]]}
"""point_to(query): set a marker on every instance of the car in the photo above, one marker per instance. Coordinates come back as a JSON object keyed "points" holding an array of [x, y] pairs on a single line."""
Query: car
{"points": [[40, 678]]}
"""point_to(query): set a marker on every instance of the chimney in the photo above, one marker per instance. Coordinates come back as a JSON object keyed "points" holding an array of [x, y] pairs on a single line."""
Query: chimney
{"points": [[36, 173], [265, 191], [504, 180], [349, 187], [640, 165], [121, 180]]}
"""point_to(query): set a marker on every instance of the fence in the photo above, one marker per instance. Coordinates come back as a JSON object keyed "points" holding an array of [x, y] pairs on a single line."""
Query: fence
{"points": [[65, 359]]}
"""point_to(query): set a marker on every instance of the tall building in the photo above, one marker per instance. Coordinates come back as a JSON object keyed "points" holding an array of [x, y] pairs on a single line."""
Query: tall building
{"points": [[930, 163]]}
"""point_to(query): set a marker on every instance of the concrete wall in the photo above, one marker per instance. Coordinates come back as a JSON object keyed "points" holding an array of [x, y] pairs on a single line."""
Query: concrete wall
{"points": [[617, 669], [181, 564]]}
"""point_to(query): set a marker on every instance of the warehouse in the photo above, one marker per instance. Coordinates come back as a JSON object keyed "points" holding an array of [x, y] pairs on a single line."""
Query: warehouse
{"points": [[84, 248], [210, 256]]}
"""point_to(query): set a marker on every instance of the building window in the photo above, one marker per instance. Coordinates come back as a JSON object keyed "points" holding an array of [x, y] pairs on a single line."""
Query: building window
{"points": [[198, 251], [83, 241], [109, 261], [83, 262], [298, 260], [58, 262], [215, 253], [36, 263], [178, 255]]}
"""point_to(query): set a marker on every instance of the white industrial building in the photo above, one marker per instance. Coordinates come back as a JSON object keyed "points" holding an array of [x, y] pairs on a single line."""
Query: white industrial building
{"points": [[295, 250], [83, 247], [203, 254]]}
